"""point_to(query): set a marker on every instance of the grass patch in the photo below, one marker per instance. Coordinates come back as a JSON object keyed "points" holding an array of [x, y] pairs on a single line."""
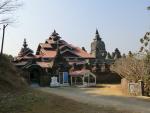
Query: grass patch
{"points": [[41, 102], [18, 103]]}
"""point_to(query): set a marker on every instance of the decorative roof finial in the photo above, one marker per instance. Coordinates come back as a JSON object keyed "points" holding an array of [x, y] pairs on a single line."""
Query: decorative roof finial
{"points": [[25, 44], [55, 36], [97, 36], [55, 33], [97, 31]]}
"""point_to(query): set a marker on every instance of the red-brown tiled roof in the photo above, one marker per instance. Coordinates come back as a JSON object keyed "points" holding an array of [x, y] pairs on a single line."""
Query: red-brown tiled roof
{"points": [[79, 72], [38, 56], [66, 45], [49, 41], [49, 54], [44, 64], [62, 41], [52, 53], [24, 57], [44, 45], [76, 51], [82, 53]]}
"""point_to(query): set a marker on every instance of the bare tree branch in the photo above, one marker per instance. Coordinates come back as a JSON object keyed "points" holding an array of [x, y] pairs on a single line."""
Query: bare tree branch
{"points": [[6, 8], [130, 68]]}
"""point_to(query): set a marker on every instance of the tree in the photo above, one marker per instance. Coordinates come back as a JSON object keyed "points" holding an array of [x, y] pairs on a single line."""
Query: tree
{"points": [[123, 55], [130, 54], [117, 54], [108, 56], [148, 7], [145, 43], [145, 50], [6, 9], [113, 55], [134, 67], [130, 68]]}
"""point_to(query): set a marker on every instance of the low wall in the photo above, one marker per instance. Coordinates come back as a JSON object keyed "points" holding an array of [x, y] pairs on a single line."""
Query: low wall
{"points": [[107, 77], [132, 88], [124, 86]]}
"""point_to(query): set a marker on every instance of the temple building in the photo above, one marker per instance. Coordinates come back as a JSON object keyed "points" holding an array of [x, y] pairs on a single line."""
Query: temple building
{"points": [[56, 57], [98, 50], [25, 55], [52, 57]]}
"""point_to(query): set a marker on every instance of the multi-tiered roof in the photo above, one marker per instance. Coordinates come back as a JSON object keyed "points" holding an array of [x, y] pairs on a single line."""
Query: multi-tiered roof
{"points": [[47, 53], [54, 42], [25, 52]]}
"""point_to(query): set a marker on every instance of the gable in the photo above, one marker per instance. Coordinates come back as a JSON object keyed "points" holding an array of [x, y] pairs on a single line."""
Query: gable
{"points": [[30, 55], [69, 54], [65, 47]]}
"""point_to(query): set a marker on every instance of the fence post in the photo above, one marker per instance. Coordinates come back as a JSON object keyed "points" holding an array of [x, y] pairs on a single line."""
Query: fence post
{"points": [[141, 87]]}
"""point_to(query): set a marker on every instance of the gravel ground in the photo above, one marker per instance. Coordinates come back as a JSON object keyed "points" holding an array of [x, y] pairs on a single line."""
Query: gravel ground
{"points": [[85, 95]]}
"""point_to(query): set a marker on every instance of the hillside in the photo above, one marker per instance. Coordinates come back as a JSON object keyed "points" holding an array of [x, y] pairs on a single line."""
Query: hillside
{"points": [[10, 77]]}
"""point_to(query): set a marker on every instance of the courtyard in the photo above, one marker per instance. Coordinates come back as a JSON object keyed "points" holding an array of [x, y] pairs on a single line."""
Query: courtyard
{"points": [[102, 95]]}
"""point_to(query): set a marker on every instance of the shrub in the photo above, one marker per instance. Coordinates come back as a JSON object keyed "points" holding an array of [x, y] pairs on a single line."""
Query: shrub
{"points": [[130, 68], [134, 69]]}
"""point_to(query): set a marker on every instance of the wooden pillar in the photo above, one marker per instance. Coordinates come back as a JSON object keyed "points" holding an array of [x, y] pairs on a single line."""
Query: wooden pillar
{"points": [[59, 78], [83, 80], [71, 80], [75, 80], [63, 76], [88, 79], [95, 80]]}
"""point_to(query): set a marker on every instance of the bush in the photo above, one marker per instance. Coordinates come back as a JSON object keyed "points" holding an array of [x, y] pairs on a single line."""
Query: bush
{"points": [[134, 69], [130, 68]]}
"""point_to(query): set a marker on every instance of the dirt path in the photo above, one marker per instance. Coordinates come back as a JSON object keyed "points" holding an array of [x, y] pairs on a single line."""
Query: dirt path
{"points": [[87, 95]]}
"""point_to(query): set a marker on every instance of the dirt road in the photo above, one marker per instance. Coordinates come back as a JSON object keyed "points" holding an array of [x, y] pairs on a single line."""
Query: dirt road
{"points": [[90, 96]]}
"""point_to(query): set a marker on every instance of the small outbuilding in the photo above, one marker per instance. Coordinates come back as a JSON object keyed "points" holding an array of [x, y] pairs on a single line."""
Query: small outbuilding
{"points": [[83, 78]]}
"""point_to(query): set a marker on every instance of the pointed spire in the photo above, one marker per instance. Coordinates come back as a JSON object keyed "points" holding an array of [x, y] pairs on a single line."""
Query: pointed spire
{"points": [[97, 36], [25, 44], [97, 31], [55, 33], [55, 36]]}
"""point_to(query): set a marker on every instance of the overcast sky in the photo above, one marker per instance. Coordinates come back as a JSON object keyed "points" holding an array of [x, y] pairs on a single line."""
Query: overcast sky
{"points": [[121, 23]]}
